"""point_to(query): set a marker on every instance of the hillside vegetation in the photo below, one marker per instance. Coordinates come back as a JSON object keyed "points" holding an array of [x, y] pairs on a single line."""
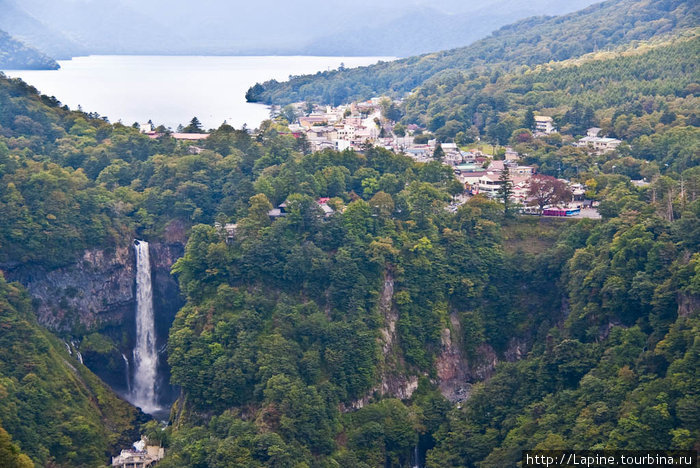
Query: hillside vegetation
{"points": [[55, 409], [599, 90], [15, 55], [528, 42], [392, 326]]}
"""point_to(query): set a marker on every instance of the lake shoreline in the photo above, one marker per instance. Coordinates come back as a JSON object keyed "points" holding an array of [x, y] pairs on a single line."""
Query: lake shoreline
{"points": [[171, 89]]}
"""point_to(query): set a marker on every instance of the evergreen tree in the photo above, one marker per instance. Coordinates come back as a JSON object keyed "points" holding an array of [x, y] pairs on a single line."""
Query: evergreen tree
{"points": [[439, 153], [505, 191], [529, 120], [195, 126]]}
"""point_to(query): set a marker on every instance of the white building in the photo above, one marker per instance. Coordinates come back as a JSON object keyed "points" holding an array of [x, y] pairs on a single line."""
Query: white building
{"points": [[139, 458], [595, 144], [544, 124]]}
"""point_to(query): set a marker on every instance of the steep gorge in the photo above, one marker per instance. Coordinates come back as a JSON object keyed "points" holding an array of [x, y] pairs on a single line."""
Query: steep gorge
{"points": [[92, 304]]}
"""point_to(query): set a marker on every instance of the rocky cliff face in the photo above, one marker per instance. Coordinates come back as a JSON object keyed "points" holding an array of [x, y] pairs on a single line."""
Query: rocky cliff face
{"points": [[93, 301], [94, 292], [98, 290], [455, 371]]}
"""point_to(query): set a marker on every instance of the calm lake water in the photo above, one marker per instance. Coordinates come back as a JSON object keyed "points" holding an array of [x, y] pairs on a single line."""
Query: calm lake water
{"points": [[170, 90]]}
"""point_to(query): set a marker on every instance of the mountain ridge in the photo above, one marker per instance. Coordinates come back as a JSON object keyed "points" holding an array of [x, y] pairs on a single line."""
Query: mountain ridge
{"points": [[529, 41], [16, 55]]}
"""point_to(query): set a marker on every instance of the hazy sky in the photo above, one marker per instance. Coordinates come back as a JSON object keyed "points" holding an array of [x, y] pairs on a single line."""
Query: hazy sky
{"points": [[224, 26]]}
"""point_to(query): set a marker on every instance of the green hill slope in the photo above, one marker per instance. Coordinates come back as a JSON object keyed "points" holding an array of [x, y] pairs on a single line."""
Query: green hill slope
{"points": [[328, 341], [15, 55], [625, 92], [56, 410], [528, 42]]}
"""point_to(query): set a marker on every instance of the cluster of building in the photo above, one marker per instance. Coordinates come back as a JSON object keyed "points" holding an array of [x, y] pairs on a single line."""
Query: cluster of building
{"points": [[592, 142], [358, 125], [355, 126], [141, 456]]}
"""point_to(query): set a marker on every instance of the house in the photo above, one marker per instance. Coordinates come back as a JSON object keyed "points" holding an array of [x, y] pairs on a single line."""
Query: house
{"points": [[278, 212], [578, 191], [595, 144], [313, 120], [544, 125], [281, 210], [468, 156], [639, 183], [511, 154], [471, 179], [346, 132], [323, 204], [419, 152], [342, 145], [190, 136], [142, 456], [496, 166], [490, 182], [230, 229], [593, 132], [522, 170], [452, 158]]}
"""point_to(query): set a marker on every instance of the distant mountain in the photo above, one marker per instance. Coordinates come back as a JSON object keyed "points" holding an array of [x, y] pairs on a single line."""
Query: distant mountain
{"points": [[16, 55], [65, 28], [30, 30], [428, 29], [531, 41]]}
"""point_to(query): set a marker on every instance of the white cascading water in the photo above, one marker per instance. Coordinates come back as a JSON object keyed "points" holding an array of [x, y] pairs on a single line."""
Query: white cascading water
{"points": [[145, 353], [77, 353], [127, 373]]}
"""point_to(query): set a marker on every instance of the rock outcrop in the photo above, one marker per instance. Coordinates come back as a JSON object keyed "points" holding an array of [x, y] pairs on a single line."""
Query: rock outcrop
{"points": [[93, 302], [97, 291]]}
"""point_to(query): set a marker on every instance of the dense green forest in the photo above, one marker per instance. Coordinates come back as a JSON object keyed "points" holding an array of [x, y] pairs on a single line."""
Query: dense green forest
{"points": [[58, 412], [326, 341], [601, 90], [16, 55], [528, 42]]}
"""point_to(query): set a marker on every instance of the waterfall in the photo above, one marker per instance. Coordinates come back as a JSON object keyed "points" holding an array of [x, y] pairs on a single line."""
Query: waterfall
{"points": [[126, 372], [77, 353], [416, 457], [145, 353]]}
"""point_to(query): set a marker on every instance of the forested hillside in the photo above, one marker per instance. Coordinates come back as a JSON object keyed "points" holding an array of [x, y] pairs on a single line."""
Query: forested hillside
{"points": [[15, 55], [528, 42], [391, 328], [598, 90], [53, 407]]}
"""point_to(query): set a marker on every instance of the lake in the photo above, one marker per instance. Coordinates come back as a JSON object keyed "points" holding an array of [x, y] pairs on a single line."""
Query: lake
{"points": [[170, 90]]}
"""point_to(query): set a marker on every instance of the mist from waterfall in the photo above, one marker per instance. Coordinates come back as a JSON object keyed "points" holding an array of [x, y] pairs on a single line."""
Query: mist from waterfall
{"points": [[143, 393]]}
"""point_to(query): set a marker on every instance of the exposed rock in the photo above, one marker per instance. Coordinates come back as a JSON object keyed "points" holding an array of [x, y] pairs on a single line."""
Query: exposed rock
{"points": [[98, 291], [517, 349], [95, 291], [688, 304], [389, 313], [97, 294], [451, 365], [455, 372], [392, 383]]}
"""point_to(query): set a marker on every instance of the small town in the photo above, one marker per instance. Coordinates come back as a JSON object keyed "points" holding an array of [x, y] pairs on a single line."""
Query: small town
{"points": [[360, 125]]}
